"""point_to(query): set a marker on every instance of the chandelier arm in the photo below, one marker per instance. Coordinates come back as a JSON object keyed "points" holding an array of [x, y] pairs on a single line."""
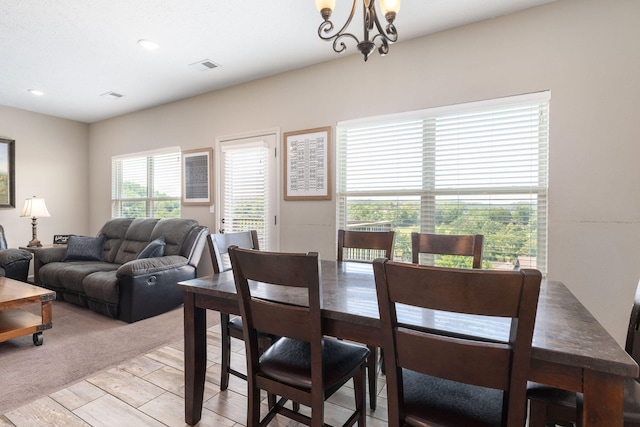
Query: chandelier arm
{"points": [[338, 41], [389, 33], [383, 49], [327, 26]]}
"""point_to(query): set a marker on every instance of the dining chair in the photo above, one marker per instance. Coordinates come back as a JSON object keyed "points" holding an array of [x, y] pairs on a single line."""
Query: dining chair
{"points": [[469, 245], [365, 246], [232, 328], [550, 406], [447, 378], [285, 299]]}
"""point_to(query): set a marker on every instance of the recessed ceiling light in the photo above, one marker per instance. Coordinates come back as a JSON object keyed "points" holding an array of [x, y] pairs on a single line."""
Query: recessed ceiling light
{"points": [[148, 44], [36, 92]]}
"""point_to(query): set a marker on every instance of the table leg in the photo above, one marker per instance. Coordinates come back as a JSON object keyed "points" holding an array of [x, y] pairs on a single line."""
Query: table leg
{"points": [[195, 358], [603, 399]]}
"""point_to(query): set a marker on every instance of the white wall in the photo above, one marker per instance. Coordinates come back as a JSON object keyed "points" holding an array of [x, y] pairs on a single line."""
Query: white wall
{"points": [[584, 51], [50, 162]]}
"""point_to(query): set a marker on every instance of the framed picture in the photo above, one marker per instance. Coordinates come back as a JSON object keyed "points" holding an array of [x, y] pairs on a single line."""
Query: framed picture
{"points": [[7, 173], [307, 157], [60, 239], [196, 176]]}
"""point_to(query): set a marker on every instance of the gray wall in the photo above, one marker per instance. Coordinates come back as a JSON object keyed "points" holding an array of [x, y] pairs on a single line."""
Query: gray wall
{"points": [[51, 162]]}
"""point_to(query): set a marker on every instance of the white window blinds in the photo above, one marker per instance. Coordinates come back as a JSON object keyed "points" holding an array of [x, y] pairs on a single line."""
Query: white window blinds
{"points": [[478, 168], [246, 191], [146, 185]]}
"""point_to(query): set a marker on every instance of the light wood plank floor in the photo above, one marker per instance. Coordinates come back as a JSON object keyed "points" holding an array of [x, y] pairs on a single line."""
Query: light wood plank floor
{"points": [[149, 391]]}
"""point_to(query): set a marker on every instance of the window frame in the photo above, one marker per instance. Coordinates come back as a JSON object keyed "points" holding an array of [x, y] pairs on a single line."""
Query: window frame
{"points": [[428, 191], [117, 183]]}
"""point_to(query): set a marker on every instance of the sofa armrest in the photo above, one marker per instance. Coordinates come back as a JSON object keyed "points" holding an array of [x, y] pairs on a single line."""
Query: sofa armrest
{"points": [[148, 286], [140, 267], [10, 256], [47, 255]]}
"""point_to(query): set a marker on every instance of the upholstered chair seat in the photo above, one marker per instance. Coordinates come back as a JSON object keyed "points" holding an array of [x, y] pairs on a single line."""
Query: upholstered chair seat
{"points": [[289, 361], [425, 396]]}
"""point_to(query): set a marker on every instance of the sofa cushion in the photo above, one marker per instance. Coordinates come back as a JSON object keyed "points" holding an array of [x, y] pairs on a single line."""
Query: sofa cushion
{"points": [[175, 231], [115, 230], [69, 275], [137, 237], [102, 286], [154, 249], [84, 248]]}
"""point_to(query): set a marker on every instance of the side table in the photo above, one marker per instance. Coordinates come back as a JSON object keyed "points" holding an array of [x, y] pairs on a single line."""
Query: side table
{"points": [[36, 261], [15, 322]]}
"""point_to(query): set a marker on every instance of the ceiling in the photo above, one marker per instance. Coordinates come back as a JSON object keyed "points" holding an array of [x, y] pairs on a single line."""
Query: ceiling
{"points": [[76, 50]]}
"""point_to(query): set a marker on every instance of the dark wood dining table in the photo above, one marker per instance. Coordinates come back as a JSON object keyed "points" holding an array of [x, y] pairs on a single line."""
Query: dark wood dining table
{"points": [[571, 349]]}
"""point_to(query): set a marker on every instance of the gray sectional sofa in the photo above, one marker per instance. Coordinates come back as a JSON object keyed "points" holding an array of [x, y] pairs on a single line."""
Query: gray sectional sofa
{"points": [[130, 270]]}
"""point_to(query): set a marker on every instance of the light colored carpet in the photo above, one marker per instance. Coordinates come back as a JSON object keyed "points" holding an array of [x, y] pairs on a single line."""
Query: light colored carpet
{"points": [[80, 344]]}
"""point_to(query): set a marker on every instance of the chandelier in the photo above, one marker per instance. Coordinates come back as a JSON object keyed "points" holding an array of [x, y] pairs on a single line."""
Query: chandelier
{"points": [[381, 39]]}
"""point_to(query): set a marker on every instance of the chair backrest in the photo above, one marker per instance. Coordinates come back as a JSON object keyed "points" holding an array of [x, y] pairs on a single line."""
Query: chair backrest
{"points": [[294, 311], [632, 345], [447, 244], [219, 247], [458, 357], [368, 245]]}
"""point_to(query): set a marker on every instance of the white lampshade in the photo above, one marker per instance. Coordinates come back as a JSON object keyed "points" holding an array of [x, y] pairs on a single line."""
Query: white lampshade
{"points": [[389, 6], [325, 4], [35, 208]]}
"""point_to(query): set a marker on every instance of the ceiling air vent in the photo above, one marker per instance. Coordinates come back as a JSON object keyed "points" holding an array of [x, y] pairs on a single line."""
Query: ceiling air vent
{"points": [[204, 65], [112, 95]]}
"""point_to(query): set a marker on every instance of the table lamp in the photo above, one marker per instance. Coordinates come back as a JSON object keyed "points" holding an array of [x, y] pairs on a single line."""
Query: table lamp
{"points": [[34, 208]]}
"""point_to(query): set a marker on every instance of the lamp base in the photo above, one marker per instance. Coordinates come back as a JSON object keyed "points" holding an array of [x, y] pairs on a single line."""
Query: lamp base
{"points": [[35, 243]]}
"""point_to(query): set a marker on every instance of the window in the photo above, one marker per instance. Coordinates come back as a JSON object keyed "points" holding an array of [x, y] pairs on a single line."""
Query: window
{"points": [[477, 168], [146, 185]]}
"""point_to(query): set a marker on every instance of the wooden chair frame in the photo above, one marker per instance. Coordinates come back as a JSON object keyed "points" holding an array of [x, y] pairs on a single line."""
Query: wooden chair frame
{"points": [[286, 319], [218, 247], [463, 359], [375, 240], [447, 244]]}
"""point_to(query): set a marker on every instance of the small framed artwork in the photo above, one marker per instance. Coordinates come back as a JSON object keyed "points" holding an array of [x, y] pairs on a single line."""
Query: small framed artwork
{"points": [[196, 176], [60, 239], [7, 173], [307, 157]]}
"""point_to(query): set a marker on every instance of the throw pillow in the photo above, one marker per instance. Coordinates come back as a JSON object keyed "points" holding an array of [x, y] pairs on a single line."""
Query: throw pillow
{"points": [[84, 248], [155, 248]]}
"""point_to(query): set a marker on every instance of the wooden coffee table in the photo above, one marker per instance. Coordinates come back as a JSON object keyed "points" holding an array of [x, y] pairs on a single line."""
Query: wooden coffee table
{"points": [[16, 322]]}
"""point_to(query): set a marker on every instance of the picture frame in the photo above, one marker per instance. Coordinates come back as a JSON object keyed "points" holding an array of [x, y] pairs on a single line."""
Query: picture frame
{"points": [[196, 176], [307, 164], [60, 239], [7, 173]]}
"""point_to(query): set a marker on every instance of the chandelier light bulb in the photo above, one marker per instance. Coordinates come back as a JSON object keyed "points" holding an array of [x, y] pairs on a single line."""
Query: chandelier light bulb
{"points": [[325, 4], [389, 6]]}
